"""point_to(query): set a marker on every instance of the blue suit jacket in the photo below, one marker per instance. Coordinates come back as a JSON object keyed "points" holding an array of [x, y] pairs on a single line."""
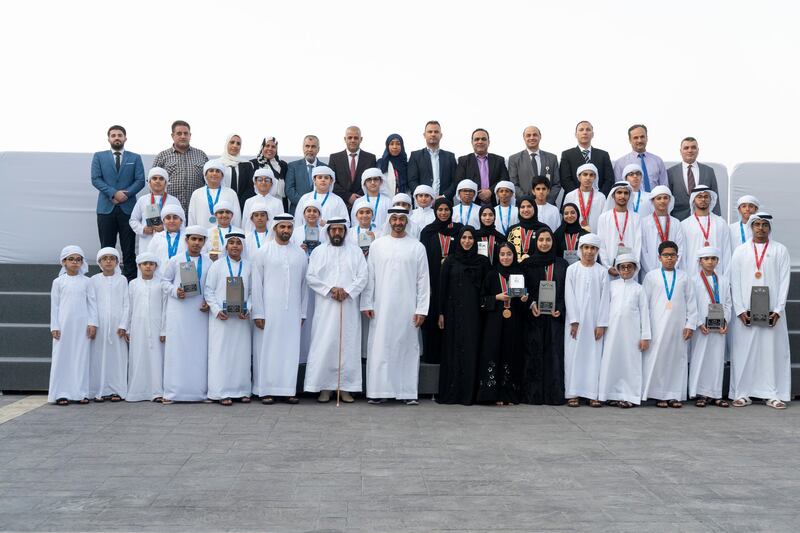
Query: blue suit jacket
{"points": [[420, 171], [108, 180], [297, 181]]}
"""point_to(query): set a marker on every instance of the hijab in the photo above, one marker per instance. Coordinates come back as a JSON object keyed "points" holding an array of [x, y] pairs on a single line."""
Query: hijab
{"points": [[399, 162], [231, 160], [568, 229], [466, 257], [486, 231], [539, 258], [448, 227], [263, 161], [533, 222], [513, 268]]}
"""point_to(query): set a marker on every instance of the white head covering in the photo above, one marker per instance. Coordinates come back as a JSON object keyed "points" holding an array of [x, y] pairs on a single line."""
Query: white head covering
{"points": [[256, 206], [387, 227], [108, 250], [173, 209], [505, 184], [227, 159], [587, 166], [464, 184], [264, 172], [68, 251], [239, 236], [610, 203], [761, 215], [223, 205], [402, 197], [703, 188], [373, 173], [362, 203], [277, 219], [322, 170], [311, 203], [145, 257], [748, 199], [213, 164], [627, 258], [631, 167], [338, 221], [658, 190], [196, 230], [424, 189], [590, 239], [158, 171], [709, 251]]}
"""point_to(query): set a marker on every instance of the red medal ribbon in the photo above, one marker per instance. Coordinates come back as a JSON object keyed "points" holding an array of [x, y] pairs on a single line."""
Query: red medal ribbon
{"points": [[549, 272], [444, 244], [624, 227], [153, 199], [526, 239], [760, 260], [706, 232], [662, 234], [571, 240], [585, 209], [708, 287], [504, 288], [490, 239]]}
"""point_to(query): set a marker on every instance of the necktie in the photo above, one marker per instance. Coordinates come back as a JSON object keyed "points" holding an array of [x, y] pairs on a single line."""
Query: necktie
{"points": [[586, 157], [645, 177], [116, 160], [352, 166], [234, 180], [690, 184], [535, 166], [310, 169]]}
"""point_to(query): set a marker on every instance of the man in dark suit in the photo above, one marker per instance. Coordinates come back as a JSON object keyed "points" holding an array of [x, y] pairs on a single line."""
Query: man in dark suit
{"points": [[298, 173], [483, 168], [348, 165], [433, 166], [118, 175], [572, 158], [533, 162], [687, 175]]}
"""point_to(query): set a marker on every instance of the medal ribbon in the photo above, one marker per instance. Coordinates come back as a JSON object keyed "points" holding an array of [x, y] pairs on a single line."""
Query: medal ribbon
{"points": [[549, 272], [172, 247], [210, 203], [713, 294], [638, 199], [571, 240], [444, 244], [706, 232], [504, 288], [326, 199], [662, 234], [490, 239], [526, 239], [258, 241], [585, 208], [667, 289], [230, 269], [161, 201], [741, 230], [508, 219], [760, 260], [461, 213], [219, 235], [374, 211], [199, 270], [624, 227]]}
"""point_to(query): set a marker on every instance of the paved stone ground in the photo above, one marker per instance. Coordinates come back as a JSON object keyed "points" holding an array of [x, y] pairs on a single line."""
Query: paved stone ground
{"points": [[310, 467]]}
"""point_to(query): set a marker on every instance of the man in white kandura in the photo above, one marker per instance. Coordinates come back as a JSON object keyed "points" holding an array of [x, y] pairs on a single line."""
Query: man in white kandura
{"points": [[337, 273], [280, 299], [760, 360], [396, 301]]}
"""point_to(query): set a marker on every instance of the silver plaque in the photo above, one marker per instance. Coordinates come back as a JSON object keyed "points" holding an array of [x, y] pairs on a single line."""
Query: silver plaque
{"points": [[547, 297], [716, 317], [571, 256], [189, 281], [152, 215], [516, 286], [234, 295], [759, 307]]}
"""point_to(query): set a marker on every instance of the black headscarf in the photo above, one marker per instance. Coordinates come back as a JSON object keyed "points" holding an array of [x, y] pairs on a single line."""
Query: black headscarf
{"points": [[533, 222], [399, 162], [568, 229], [538, 257], [447, 227], [486, 231], [467, 257], [513, 268]]}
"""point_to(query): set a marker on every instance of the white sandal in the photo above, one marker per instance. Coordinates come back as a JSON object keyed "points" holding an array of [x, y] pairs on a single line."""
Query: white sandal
{"points": [[776, 404], [742, 402]]}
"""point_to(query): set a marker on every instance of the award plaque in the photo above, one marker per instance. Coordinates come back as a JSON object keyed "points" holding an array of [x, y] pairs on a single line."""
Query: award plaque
{"points": [[311, 238], [547, 297], [234, 295], [623, 250], [516, 286], [716, 317], [571, 256], [152, 215], [759, 307], [483, 248], [364, 241], [189, 282]]}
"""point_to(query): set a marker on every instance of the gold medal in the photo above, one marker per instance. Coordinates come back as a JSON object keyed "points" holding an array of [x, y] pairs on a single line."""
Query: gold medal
{"points": [[758, 275], [587, 228], [506, 313], [524, 257], [669, 306]]}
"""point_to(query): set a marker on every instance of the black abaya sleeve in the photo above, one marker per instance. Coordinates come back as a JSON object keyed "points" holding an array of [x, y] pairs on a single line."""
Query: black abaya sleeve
{"points": [[444, 277], [489, 292]]}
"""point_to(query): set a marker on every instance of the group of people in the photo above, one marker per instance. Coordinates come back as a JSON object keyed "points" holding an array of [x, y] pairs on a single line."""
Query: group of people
{"points": [[478, 270]]}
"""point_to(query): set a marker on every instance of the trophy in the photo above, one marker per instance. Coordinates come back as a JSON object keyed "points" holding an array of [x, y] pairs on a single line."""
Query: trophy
{"points": [[234, 295], [547, 297], [189, 281], [716, 317], [311, 239], [365, 241], [516, 286], [483, 248], [152, 215], [759, 307]]}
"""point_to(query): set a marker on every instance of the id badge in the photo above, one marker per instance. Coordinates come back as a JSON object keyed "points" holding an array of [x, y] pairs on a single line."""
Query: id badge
{"points": [[189, 281], [152, 215], [547, 297], [715, 319], [483, 248], [234, 295], [759, 306], [516, 286], [571, 256]]}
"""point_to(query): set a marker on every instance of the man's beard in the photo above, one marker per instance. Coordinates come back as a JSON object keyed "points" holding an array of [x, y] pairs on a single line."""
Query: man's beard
{"points": [[337, 240]]}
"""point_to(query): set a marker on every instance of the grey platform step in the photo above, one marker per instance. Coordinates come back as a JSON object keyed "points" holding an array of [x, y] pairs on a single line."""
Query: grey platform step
{"points": [[25, 340], [25, 307], [28, 374], [31, 278], [794, 286]]}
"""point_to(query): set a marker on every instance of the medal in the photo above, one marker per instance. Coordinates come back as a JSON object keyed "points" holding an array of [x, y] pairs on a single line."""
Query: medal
{"points": [[669, 289], [585, 209], [504, 288], [444, 244], [662, 234], [707, 231], [506, 313], [760, 260], [525, 243], [712, 293], [571, 240], [669, 306], [624, 227], [212, 219], [211, 204]]}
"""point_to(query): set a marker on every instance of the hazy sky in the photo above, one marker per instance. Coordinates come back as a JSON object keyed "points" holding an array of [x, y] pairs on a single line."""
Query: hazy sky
{"points": [[722, 71]]}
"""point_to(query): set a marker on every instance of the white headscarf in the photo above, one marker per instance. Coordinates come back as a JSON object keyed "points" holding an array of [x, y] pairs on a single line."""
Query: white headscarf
{"points": [[709, 251], [174, 209], [505, 184], [587, 166], [387, 227], [748, 199], [762, 215], [402, 197], [590, 239], [254, 207], [226, 158], [658, 191], [610, 203], [464, 184], [277, 219], [627, 258], [424, 189], [158, 171], [216, 163], [108, 250], [703, 188], [68, 251]]}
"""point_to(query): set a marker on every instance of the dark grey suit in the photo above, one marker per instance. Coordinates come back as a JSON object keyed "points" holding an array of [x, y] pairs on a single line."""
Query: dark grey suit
{"points": [[678, 188], [520, 171]]}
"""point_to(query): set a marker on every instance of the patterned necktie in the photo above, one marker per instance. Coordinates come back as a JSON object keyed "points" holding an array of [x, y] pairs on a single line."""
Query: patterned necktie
{"points": [[586, 157], [645, 177], [116, 160], [690, 179]]}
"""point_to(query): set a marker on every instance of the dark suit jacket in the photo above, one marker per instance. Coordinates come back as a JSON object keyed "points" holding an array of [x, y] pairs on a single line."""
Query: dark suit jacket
{"points": [[678, 187], [467, 169], [108, 180], [244, 182], [420, 171], [340, 164], [573, 158], [297, 181], [248, 190], [520, 169]]}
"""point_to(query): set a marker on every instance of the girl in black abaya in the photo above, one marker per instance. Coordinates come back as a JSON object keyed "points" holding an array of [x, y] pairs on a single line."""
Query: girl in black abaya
{"points": [[567, 235], [460, 319], [521, 234], [437, 237], [505, 319], [488, 233], [543, 347]]}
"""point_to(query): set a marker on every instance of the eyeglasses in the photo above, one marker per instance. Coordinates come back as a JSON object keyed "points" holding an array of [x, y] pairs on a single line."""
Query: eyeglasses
{"points": [[669, 255], [71, 259], [626, 266], [262, 179]]}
